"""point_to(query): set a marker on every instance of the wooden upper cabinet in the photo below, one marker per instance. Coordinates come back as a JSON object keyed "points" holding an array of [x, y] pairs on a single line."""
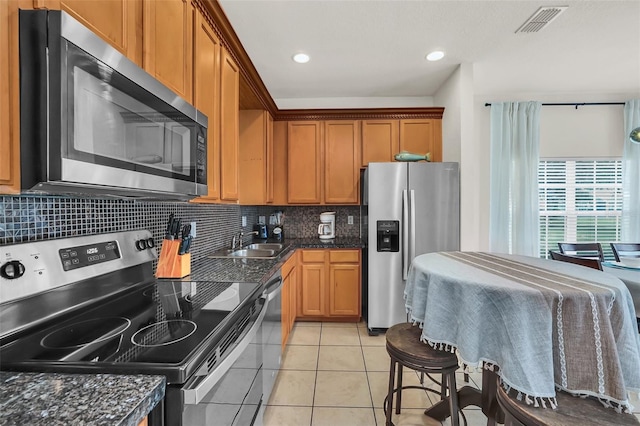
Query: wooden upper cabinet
{"points": [[206, 98], [9, 102], [380, 141], [420, 136], [280, 163], [383, 139], [304, 148], [341, 162], [118, 22], [229, 104], [168, 43], [256, 157], [269, 152]]}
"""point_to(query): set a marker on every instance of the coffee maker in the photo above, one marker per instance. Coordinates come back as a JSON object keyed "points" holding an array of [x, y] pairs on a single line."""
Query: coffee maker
{"points": [[327, 227]]}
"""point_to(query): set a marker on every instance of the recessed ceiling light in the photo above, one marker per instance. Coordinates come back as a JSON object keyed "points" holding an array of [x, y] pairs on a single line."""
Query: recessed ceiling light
{"points": [[436, 55], [301, 58]]}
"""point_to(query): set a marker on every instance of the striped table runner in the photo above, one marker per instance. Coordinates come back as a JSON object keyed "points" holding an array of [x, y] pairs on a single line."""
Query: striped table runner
{"points": [[545, 324]]}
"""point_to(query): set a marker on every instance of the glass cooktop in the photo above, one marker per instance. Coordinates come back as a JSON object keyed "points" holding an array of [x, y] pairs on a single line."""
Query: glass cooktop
{"points": [[161, 325]]}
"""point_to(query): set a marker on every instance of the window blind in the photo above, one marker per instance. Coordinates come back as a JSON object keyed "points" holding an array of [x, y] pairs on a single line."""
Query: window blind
{"points": [[580, 201]]}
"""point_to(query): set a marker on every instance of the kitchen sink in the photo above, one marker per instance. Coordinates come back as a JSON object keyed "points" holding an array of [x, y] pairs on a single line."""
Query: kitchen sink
{"points": [[266, 246], [252, 253], [255, 251]]}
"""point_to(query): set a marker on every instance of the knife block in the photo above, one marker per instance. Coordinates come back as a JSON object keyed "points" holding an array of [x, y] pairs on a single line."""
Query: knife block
{"points": [[170, 263]]}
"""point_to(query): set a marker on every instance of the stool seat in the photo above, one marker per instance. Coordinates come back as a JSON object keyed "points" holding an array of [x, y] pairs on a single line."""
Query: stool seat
{"points": [[406, 350], [403, 341], [571, 411]]}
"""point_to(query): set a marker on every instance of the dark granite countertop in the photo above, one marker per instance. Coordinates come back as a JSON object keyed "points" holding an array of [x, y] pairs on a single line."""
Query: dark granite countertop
{"points": [[77, 399], [260, 270]]}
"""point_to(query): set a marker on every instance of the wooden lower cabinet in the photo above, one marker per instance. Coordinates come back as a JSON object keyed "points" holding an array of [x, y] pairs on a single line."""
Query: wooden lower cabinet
{"points": [[330, 285], [144, 422], [289, 296]]}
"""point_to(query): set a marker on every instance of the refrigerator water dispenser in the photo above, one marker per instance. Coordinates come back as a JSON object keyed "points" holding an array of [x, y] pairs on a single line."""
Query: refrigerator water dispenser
{"points": [[388, 235]]}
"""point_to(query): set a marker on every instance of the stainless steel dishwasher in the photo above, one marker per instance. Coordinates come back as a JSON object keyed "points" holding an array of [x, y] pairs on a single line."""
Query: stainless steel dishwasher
{"points": [[272, 336]]}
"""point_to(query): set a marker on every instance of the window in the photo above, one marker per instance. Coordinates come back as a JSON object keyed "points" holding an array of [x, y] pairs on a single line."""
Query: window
{"points": [[580, 201]]}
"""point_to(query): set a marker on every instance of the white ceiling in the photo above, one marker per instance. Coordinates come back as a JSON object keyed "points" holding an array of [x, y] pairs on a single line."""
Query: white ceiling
{"points": [[376, 49]]}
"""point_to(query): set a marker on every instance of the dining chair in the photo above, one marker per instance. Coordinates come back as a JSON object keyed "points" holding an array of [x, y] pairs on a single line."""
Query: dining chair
{"points": [[594, 263], [586, 250], [570, 411], [625, 250]]}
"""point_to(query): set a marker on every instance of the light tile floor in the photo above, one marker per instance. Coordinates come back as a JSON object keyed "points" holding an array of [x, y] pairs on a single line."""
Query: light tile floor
{"points": [[335, 374]]}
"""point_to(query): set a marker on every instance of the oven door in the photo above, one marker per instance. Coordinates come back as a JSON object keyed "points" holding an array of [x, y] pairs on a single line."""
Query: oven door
{"points": [[232, 393]]}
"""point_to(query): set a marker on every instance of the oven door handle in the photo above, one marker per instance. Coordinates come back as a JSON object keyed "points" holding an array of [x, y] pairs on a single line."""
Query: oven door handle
{"points": [[195, 394], [269, 293]]}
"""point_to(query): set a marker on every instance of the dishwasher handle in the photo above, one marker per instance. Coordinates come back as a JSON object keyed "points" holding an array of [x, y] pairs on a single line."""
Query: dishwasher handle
{"points": [[194, 395]]}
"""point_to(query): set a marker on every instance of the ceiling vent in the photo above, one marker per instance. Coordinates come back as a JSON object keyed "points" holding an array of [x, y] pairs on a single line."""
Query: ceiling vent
{"points": [[542, 17]]}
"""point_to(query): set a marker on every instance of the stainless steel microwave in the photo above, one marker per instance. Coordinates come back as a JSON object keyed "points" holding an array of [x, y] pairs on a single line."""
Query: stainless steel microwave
{"points": [[92, 121]]}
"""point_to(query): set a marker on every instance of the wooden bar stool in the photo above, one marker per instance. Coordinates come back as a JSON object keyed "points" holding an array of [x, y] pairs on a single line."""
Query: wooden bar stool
{"points": [[406, 350], [571, 410]]}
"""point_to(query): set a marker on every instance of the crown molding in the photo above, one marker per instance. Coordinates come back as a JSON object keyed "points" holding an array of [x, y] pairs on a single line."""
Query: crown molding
{"points": [[359, 114]]}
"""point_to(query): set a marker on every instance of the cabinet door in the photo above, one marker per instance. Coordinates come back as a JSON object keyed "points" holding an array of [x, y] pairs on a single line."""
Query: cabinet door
{"points": [[420, 136], [168, 43], [341, 162], [206, 98], [280, 163], [269, 188], [344, 289], [118, 22], [380, 141], [229, 104], [304, 147], [9, 102], [255, 157], [313, 289]]}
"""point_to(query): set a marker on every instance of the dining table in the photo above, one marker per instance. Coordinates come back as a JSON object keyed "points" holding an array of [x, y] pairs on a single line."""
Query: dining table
{"points": [[534, 326]]}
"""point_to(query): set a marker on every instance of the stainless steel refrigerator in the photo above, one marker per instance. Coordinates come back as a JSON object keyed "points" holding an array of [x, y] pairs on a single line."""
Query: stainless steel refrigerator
{"points": [[411, 209]]}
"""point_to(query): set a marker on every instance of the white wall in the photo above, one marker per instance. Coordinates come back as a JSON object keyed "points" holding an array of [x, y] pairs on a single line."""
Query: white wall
{"points": [[458, 140], [321, 103]]}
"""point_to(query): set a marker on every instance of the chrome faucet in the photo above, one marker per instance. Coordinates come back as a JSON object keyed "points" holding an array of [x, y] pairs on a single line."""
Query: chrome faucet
{"points": [[238, 239]]}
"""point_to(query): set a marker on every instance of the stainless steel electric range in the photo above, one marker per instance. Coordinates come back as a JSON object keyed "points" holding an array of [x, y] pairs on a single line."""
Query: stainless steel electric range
{"points": [[92, 305]]}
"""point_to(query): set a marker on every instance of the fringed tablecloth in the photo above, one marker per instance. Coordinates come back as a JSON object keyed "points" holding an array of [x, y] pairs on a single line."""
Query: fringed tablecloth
{"points": [[545, 324]]}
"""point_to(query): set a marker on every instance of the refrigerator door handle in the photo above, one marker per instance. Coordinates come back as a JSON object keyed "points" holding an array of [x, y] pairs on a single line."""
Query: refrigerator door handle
{"points": [[412, 229], [405, 235]]}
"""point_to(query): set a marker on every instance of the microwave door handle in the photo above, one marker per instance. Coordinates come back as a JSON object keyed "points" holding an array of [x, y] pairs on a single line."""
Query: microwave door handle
{"points": [[405, 235], [195, 395]]}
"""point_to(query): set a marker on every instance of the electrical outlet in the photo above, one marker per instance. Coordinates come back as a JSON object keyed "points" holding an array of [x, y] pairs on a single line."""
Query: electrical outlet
{"points": [[261, 219], [349, 220], [244, 221], [193, 229]]}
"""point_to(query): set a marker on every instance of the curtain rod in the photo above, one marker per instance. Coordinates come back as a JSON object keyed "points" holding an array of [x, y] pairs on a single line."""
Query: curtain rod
{"points": [[576, 104]]}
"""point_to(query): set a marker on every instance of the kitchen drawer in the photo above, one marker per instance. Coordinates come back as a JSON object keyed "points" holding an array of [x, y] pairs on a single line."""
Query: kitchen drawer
{"points": [[309, 256], [344, 256]]}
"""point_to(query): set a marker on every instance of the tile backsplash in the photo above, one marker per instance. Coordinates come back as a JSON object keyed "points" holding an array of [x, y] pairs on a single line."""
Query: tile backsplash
{"points": [[33, 218]]}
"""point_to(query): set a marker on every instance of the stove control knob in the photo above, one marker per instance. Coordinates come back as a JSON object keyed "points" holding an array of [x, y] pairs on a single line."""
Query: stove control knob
{"points": [[11, 270], [141, 244], [151, 242]]}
